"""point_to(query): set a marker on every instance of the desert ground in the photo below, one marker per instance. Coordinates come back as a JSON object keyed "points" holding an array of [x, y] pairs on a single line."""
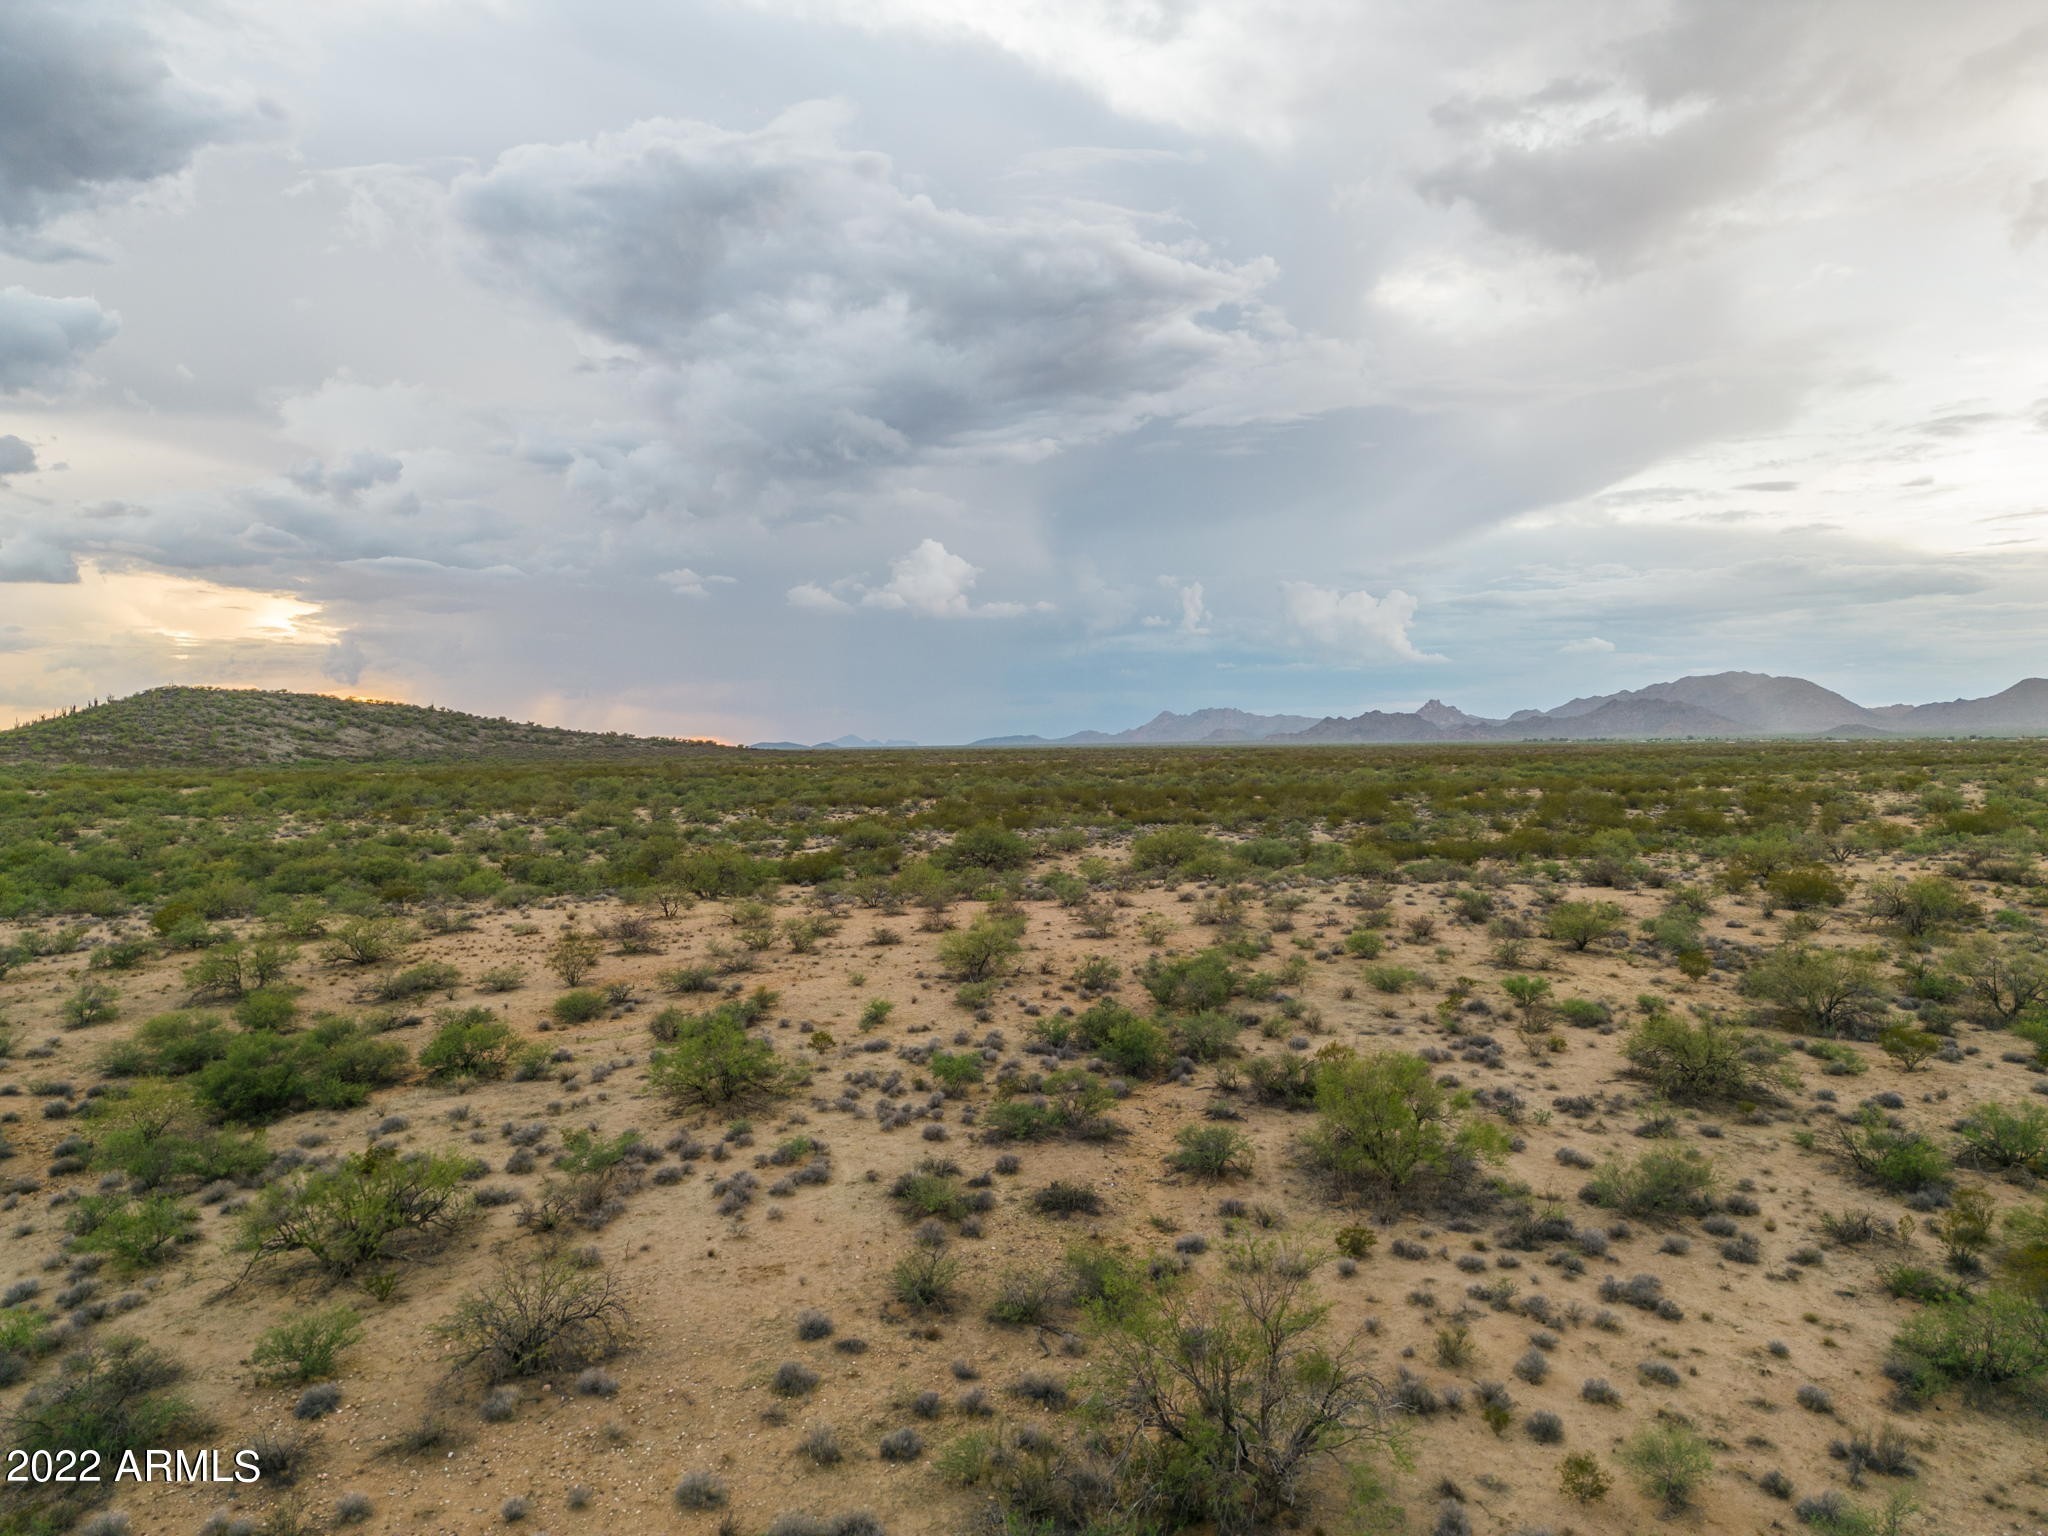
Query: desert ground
{"points": [[713, 1300]]}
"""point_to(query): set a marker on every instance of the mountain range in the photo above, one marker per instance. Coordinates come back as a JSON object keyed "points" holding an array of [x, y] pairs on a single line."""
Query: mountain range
{"points": [[1726, 704]]}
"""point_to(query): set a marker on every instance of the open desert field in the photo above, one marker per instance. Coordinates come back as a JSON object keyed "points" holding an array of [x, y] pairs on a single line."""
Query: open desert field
{"points": [[1502, 1140]]}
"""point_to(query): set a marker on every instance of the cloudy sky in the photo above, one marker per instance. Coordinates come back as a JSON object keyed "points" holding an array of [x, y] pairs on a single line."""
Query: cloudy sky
{"points": [[930, 368]]}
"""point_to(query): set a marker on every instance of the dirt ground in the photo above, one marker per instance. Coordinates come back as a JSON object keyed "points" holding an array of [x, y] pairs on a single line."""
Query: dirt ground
{"points": [[715, 1300]]}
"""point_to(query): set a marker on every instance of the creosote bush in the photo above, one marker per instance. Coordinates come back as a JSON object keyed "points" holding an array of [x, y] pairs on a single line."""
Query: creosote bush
{"points": [[543, 1315]]}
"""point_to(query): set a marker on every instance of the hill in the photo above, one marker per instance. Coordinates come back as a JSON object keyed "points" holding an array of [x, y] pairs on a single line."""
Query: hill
{"points": [[229, 727], [1719, 704]]}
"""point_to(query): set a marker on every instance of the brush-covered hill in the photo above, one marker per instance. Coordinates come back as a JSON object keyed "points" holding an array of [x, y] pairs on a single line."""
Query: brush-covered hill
{"points": [[230, 727]]}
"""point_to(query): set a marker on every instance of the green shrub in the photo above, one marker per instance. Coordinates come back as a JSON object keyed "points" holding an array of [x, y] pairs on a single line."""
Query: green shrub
{"points": [[955, 1070], [1900, 1161], [1670, 1461], [307, 1347], [157, 1134], [2007, 1136], [1663, 1182], [1996, 1342], [263, 1077], [926, 1280], [1070, 1102], [1236, 1397], [1392, 979], [984, 950], [1581, 924], [930, 1189], [1210, 1035], [267, 1008], [1704, 1062], [986, 848], [93, 1002], [1827, 991], [1210, 1151], [1137, 1047], [469, 1042], [368, 1210], [578, 1006], [416, 981], [715, 1063], [135, 1233], [169, 1045], [113, 1396], [1384, 1122], [1908, 1046], [367, 941], [1191, 983]]}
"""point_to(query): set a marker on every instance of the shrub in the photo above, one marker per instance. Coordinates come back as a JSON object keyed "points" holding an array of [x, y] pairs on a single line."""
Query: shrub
{"points": [[264, 1077], [1829, 991], [574, 955], [1210, 1152], [955, 1070], [307, 1347], [984, 950], [1581, 924], [470, 1042], [793, 1378], [1900, 1161], [1383, 1121], [111, 1397], [1027, 1298], [93, 1002], [156, 1134], [170, 1045], [700, 1490], [1701, 1063], [904, 1444], [1239, 1395], [715, 1063], [1062, 1198], [925, 1280], [137, 1234], [416, 981], [1580, 1478], [316, 1402], [542, 1315], [2007, 1136], [370, 1208], [1994, 1342], [367, 941], [1908, 1046], [1669, 1461], [1664, 1182], [577, 1006], [1190, 983]]}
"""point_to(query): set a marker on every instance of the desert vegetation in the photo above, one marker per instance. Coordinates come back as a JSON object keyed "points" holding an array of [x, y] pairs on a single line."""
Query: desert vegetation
{"points": [[1114, 1143]]}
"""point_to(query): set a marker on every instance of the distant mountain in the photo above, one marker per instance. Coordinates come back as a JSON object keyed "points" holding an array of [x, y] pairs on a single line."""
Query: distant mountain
{"points": [[2022, 710], [1717, 704], [842, 744], [1169, 729], [232, 727]]}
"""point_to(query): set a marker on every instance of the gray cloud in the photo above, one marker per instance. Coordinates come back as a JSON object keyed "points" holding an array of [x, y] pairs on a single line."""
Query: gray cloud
{"points": [[16, 456], [42, 340], [807, 310], [90, 109]]}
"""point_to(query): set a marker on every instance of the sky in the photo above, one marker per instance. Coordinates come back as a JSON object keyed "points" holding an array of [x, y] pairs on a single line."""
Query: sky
{"points": [[930, 369]]}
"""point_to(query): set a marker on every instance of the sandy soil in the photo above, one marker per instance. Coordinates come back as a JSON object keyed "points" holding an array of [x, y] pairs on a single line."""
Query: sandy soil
{"points": [[715, 1300]]}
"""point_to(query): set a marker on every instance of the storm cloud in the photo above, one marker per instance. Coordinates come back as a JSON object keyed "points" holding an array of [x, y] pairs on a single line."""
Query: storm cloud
{"points": [[783, 368]]}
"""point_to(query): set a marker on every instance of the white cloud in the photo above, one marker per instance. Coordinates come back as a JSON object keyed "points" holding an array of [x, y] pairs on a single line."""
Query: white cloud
{"points": [[930, 580], [688, 583], [1592, 645], [809, 594], [1355, 626]]}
